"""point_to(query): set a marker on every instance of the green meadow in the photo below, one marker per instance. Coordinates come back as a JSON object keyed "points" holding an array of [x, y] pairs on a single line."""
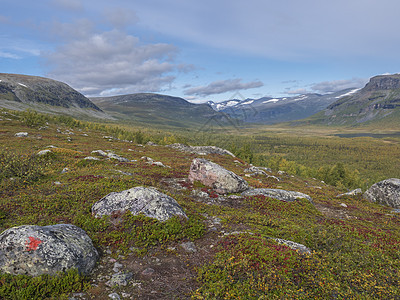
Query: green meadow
{"points": [[355, 249]]}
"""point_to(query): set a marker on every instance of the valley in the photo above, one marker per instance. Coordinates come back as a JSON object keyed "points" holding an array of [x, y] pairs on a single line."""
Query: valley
{"points": [[291, 230]]}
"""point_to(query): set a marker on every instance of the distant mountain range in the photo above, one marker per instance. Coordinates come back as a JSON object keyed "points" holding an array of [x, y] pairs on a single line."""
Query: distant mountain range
{"points": [[22, 92], [378, 102], [269, 110], [157, 110]]}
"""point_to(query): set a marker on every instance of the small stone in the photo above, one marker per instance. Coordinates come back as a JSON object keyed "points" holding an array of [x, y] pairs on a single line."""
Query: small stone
{"points": [[117, 266], [99, 152], [148, 272], [343, 205], [57, 183], [90, 158], [125, 295], [44, 152], [189, 247], [65, 170], [114, 296], [120, 279], [21, 134]]}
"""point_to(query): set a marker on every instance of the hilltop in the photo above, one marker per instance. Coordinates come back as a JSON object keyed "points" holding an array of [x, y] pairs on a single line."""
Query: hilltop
{"points": [[45, 95]]}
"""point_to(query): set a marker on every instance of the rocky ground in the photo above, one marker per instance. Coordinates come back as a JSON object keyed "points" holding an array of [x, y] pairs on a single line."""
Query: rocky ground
{"points": [[196, 201]]}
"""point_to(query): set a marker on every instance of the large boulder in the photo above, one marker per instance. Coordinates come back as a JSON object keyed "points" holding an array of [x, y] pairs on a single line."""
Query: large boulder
{"points": [[148, 201], [216, 177], [386, 192], [201, 150], [278, 194], [37, 250]]}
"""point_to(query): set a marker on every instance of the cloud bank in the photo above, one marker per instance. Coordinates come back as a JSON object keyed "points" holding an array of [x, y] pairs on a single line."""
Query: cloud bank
{"points": [[338, 85], [110, 62], [222, 86]]}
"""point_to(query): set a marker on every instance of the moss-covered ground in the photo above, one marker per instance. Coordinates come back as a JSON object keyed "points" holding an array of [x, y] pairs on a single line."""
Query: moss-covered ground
{"points": [[355, 248]]}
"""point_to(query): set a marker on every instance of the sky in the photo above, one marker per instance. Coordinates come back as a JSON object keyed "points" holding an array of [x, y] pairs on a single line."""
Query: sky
{"points": [[202, 50]]}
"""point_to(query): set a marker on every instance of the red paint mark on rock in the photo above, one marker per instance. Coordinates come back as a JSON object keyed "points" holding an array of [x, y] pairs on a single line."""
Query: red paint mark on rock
{"points": [[32, 244]]}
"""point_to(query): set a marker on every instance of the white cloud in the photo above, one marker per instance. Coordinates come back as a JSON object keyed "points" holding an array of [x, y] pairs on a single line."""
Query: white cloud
{"points": [[338, 85], [112, 62], [297, 91], [4, 54], [222, 86]]}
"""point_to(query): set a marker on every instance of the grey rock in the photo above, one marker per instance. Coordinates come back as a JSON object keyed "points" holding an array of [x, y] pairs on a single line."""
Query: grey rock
{"points": [[117, 266], [21, 134], [44, 152], [159, 163], [148, 272], [386, 192], [295, 246], [277, 194], [36, 250], [189, 247], [117, 157], [99, 152], [150, 143], [257, 170], [202, 150], [148, 201], [114, 296], [351, 193], [120, 278], [91, 158], [65, 170], [216, 177]]}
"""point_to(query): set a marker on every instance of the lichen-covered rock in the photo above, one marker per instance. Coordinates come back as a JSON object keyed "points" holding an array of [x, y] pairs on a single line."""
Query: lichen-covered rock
{"points": [[90, 158], [21, 134], [386, 192], [257, 170], [148, 201], [293, 245], [213, 175], [202, 150], [36, 250], [44, 152], [351, 193], [99, 152], [117, 157], [277, 194]]}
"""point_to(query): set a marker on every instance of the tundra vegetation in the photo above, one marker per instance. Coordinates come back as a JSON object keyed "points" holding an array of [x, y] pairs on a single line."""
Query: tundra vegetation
{"points": [[355, 245]]}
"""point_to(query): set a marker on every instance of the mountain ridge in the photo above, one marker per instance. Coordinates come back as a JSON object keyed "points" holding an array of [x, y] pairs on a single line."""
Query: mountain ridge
{"points": [[378, 101]]}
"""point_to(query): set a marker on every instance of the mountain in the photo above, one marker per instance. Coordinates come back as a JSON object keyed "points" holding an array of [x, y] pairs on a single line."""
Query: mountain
{"points": [[269, 110], [157, 109], [377, 102], [20, 92]]}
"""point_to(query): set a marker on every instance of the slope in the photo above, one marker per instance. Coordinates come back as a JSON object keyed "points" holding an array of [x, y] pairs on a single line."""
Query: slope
{"points": [[22, 92], [155, 109]]}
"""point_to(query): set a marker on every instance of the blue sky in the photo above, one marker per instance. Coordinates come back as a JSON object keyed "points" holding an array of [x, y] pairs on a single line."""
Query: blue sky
{"points": [[201, 50]]}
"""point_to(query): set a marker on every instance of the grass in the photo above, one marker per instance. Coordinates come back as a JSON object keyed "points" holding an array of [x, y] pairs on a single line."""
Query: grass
{"points": [[355, 249]]}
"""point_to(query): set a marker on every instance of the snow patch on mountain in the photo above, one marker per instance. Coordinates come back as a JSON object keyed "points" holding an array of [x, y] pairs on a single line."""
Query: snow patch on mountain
{"points": [[348, 93], [271, 101]]}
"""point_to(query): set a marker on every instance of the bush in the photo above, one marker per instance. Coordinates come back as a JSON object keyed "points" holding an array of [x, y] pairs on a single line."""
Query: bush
{"points": [[28, 168]]}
